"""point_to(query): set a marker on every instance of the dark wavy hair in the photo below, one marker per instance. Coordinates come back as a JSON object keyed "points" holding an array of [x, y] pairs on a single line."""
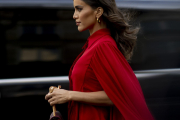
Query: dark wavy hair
{"points": [[117, 21]]}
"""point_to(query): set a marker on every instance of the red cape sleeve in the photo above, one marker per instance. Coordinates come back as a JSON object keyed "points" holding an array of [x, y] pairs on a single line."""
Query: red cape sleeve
{"points": [[120, 83]]}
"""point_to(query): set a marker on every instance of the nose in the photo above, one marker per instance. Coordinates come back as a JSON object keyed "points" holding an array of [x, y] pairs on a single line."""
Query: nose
{"points": [[75, 16]]}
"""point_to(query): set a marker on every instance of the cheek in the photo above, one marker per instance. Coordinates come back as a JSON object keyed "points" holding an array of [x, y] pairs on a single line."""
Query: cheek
{"points": [[87, 18]]}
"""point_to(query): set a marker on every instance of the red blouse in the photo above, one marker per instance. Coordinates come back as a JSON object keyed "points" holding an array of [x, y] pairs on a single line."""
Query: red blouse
{"points": [[101, 66]]}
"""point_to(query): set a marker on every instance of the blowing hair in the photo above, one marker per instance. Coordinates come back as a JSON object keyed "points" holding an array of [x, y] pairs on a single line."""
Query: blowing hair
{"points": [[117, 21]]}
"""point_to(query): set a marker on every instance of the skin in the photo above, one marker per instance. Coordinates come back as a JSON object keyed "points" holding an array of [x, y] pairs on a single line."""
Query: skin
{"points": [[87, 17], [87, 20]]}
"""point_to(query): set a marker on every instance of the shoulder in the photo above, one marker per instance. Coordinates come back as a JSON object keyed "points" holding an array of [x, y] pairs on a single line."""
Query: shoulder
{"points": [[106, 40], [107, 46]]}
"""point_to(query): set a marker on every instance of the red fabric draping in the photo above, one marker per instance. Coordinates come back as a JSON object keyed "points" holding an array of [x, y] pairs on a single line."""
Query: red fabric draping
{"points": [[102, 64]]}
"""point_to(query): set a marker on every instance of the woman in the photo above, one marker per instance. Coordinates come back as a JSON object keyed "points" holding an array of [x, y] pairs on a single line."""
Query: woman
{"points": [[102, 84]]}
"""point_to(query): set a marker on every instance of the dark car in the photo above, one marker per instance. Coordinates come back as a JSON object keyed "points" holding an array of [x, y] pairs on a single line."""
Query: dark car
{"points": [[39, 42]]}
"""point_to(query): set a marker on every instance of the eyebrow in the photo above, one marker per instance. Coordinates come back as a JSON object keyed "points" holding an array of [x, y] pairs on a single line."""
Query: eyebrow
{"points": [[78, 6]]}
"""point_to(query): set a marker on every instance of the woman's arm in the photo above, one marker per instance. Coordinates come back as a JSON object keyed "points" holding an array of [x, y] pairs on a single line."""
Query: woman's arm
{"points": [[59, 96], [95, 98]]}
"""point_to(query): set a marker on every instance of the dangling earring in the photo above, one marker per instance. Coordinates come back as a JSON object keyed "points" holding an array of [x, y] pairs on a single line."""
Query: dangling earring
{"points": [[98, 20]]}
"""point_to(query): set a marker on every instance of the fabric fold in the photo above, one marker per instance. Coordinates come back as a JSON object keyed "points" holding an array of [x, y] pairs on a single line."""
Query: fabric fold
{"points": [[120, 83], [101, 66]]}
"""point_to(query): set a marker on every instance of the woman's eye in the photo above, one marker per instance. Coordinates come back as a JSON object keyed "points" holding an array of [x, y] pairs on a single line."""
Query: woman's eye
{"points": [[79, 9]]}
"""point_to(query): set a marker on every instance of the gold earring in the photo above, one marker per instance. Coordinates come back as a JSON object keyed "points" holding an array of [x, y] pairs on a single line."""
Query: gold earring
{"points": [[98, 20]]}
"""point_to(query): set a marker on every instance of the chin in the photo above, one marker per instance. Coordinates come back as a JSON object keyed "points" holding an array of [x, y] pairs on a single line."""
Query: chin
{"points": [[82, 29]]}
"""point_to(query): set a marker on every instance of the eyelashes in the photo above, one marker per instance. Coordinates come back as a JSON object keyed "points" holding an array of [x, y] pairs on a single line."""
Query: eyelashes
{"points": [[79, 9]]}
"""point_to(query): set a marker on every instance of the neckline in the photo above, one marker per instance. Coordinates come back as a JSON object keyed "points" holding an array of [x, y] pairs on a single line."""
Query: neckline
{"points": [[97, 35]]}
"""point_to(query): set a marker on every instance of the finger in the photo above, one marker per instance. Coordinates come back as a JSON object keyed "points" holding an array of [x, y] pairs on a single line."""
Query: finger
{"points": [[53, 102], [51, 99], [48, 96]]}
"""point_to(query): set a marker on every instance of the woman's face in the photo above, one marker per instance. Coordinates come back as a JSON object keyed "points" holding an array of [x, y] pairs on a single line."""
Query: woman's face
{"points": [[84, 15]]}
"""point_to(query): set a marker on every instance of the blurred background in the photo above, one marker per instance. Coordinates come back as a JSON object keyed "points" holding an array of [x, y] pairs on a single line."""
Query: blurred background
{"points": [[40, 39]]}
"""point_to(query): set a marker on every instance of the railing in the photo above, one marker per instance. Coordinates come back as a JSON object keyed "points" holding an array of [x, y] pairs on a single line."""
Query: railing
{"points": [[65, 79], [36, 80]]}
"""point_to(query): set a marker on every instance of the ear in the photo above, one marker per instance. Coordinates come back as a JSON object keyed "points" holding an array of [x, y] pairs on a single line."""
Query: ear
{"points": [[99, 12]]}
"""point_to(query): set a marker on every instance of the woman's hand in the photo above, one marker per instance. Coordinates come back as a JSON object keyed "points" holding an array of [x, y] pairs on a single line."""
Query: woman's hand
{"points": [[58, 96]]}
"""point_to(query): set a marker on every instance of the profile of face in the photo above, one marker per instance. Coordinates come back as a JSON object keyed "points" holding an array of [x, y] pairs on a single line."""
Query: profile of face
{"points": [[84, 15]]}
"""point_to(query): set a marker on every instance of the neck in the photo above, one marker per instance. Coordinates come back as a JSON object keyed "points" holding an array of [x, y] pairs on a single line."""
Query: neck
{"points": [[97, 27]]}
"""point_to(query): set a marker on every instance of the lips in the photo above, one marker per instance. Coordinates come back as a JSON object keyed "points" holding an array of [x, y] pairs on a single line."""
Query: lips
{"points": [[78, 23]]}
